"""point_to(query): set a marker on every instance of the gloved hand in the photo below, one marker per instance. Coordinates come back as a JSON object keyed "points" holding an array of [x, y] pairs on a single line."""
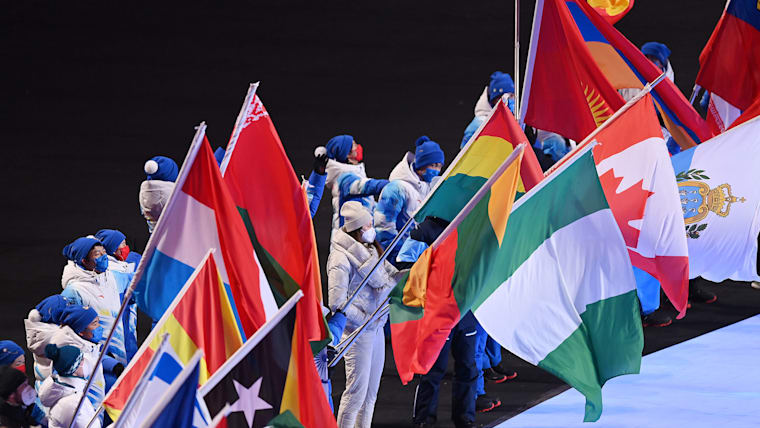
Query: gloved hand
{"points": [[320, 163], [337, 324], [429, 230]]}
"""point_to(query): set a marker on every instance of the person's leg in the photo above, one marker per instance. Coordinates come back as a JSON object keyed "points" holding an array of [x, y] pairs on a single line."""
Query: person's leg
{"points": [[426, 395], [364, 420], [480, 357], [463, 348], [357, 360], [493, 351]]}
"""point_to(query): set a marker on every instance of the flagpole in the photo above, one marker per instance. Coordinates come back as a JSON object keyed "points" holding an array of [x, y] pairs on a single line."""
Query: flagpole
{"points": [[197, 139], [408, 224], [173, 388], [344, 345], [244, 111], [645, 90], [517, 59], [528, 78]]}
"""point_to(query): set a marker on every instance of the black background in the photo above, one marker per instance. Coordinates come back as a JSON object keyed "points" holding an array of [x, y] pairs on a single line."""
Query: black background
{"points": [[91, 90]]}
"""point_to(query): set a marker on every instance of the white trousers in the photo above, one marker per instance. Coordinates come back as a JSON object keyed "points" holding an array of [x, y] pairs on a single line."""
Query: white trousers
{"points": [[364, 365]]}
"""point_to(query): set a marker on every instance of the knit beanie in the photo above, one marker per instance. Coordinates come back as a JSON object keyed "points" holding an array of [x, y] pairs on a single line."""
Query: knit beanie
{"points": [[79, 249], [10, 380], [51, 309], [339, 147], [111, 239], [78, 317], [355, 216], [219, 155], [66, 359], [427, 153], [9, 351], [501, 83], [161, 168], [657, 50]]}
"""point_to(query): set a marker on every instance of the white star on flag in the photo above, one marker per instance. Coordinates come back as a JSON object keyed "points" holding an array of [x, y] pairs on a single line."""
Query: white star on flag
{"points": [[248, 401]]}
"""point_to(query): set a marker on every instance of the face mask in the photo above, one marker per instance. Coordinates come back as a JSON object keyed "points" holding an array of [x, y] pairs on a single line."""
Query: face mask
{"points": [[28, 395], [123, 253], [21, 368], [368, 235], [359, 153], [101, 263], [430, 174], [97, 335]]}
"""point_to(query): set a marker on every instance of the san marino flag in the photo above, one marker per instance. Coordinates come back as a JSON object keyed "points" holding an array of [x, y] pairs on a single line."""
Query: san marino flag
{"points": [[720, 198]]}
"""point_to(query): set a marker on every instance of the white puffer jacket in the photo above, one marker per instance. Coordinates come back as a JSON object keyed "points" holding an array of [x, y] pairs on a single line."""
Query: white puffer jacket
{"points": [[335, 169], [349, 262], [154, 194], [61, 395], [40, 334], [99, 291]]}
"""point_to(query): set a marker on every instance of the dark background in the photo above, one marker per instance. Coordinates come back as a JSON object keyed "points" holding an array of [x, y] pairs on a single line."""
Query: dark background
{"points": [[91, 90]]}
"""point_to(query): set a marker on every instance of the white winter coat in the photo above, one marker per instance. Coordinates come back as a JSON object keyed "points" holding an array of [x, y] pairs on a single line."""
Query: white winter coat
{"points": [[349, 262], [335, 169], [40, 334], [154, 194], [99, 291], [61, 395]]}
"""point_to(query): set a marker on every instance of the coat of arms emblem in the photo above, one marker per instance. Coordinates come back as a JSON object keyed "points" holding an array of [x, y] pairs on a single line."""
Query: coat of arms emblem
{"points": [[698, 200]]}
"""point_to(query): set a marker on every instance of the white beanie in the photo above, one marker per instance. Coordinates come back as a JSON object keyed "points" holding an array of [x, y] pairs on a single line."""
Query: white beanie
{"points": [[355, 216]]}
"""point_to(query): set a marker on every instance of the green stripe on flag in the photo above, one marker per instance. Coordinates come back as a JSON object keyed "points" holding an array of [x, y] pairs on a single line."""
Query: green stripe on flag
{"points": [[450, 197], [598, 350], [537, 216]]}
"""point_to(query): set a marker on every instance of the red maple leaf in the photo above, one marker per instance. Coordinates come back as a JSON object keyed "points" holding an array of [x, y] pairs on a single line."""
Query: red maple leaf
{"points": [[626, 206]]}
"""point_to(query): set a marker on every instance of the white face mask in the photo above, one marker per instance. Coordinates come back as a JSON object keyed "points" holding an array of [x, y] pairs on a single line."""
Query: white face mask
{"points": [[28, 395], [368, 235]]}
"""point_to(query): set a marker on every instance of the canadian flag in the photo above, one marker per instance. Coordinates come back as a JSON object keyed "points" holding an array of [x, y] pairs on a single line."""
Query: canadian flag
{"points": [[634, 168], [637, 176]]}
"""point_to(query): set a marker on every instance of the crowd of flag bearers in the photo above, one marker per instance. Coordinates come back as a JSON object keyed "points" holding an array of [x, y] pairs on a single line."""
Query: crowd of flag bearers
{"points": [[555, 233]]}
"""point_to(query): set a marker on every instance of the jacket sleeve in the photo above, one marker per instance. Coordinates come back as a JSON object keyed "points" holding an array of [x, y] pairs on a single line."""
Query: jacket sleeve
{"points": [[389, 207], [338, 278], [351, 184], [70, 293], [471, 129], [314, 189], [382, 277]]}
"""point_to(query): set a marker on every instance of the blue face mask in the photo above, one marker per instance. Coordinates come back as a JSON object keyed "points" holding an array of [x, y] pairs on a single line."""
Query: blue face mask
{"points": [[97, 335], [101, 263], [430, 174]]}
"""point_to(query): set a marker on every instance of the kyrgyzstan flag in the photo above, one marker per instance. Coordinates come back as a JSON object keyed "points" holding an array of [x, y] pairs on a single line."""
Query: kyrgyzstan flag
{"points": [[730, 62], [636, 173], [271, 376], [273, 205], [200, 317], [565, 90]]}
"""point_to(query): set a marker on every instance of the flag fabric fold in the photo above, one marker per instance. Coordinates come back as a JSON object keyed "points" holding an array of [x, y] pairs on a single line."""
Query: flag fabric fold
{"points": [[717, 183], [215, 332], [272, 374], [429, 301], [729, 64], [273, 206], [199, 215], [177, 406]]}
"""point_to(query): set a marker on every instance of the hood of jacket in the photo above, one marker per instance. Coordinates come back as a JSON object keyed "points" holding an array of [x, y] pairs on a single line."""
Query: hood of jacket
{"points": [[154, 194], [54, 388], [38, 333], [342, 241], [482, 106], [73, 272], [403, 172], [334, 169]]}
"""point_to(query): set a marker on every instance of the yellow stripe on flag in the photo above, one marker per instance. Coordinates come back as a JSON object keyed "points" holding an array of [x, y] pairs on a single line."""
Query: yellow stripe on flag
{"points": [[483, 157], [232, 338], [502, 196], [290, 399], [183, 346], [416, 285]]}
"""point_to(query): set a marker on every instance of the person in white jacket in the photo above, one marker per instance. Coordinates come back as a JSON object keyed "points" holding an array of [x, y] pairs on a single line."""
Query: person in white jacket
{"points": [[161, 174], [410, 182], [87, 281], [62, 391], [353, 252], [346, 178], [80, 327]]}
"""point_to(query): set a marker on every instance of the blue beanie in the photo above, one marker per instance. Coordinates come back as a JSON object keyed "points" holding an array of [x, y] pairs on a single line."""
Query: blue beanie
{"points": [[78, 317], [78, 250], [111, 239], [9, 351], [657, 50], [339, 147], [427, 153], [501, 83], [51, 309], [161, 168], [219, 155], [66, 359]]}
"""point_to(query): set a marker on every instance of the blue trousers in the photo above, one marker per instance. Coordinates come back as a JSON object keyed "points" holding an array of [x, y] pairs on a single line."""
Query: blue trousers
{"points": [[487, 354], [462, 344]]}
